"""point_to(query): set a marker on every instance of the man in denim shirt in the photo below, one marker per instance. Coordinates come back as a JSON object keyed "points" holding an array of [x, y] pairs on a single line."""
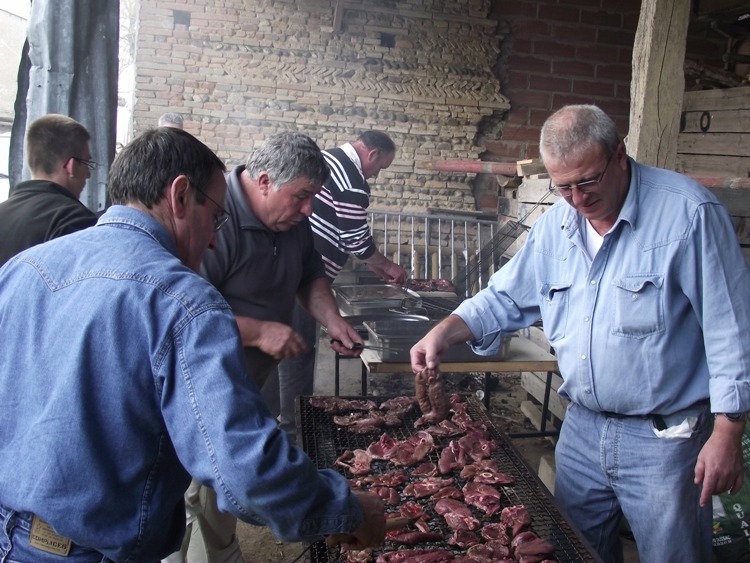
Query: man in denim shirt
{"points": [[644, 294], [115, 356]]}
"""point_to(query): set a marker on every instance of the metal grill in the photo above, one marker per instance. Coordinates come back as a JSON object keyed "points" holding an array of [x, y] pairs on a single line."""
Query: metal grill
{"points": [[324, 442]]}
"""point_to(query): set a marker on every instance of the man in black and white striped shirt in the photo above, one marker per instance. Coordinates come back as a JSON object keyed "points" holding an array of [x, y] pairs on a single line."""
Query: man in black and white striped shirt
{"points": [[340, 229]]}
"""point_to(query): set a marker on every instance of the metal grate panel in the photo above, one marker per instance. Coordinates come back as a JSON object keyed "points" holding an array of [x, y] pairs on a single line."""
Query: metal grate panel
{"points": [[324, 442]]}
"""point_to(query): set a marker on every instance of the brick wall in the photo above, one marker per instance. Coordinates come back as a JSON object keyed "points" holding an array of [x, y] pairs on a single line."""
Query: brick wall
{"points": [[449, 80], [240, 70], [572, 51]]}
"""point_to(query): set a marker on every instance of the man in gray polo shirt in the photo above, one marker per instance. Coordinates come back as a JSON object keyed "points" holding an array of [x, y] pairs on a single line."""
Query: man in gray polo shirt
{"points": [[264, 259]]}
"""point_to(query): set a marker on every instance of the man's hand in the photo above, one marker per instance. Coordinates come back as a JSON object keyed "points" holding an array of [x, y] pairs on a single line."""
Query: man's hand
{"points": [[387, 270], [275, 339], [720, 466], [427, 352], [371, 532], [344, 337]]}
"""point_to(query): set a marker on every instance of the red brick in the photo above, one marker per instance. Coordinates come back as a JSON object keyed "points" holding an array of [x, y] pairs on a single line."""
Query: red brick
{"points": [[517, 80], [554, 49], [600, 19], [616, 37], [514, 8], [560, 100], [614, 72], [597, 53], [559, 13], [530, 99], [594, 88], [573, 68], [575, 33], [531, 28], [529, 64], [549, 83]]}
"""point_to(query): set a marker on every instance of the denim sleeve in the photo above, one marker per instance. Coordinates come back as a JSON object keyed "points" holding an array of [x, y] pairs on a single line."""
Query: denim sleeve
{"points": [[226, 438], [721, 297]]}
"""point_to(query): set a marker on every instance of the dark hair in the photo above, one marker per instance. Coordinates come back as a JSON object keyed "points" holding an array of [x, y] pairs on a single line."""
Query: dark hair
{"points": [[147, 165], [52, 140], [287, 156], [377, 140]]}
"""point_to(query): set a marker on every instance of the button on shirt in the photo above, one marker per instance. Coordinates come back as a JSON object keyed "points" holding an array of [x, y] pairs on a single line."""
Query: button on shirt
{"points": [[656, 322], [110, 378]]}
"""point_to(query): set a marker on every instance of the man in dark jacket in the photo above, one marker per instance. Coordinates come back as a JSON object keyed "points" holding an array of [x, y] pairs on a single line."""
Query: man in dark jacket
{"points": [[47, 206]]}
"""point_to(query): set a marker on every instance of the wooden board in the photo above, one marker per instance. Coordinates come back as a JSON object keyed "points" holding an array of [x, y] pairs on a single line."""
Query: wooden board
{"points": [[535, 384]]}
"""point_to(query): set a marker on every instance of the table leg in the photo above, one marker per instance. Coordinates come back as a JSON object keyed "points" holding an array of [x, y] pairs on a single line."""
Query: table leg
{"points": [[336, 374], [364, 380], [487, 376]]}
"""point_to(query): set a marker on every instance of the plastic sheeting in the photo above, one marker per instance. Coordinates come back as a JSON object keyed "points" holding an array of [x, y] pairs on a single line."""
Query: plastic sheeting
{"points": [[71, 69]]}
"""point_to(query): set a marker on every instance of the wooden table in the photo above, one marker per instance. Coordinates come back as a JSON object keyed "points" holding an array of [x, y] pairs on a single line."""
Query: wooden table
{"points": [[523, 355]]}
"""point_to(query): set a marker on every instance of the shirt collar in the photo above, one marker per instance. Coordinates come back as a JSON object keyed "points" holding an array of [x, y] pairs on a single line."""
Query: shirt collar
{"points": [[125, 217], [351, 152]]}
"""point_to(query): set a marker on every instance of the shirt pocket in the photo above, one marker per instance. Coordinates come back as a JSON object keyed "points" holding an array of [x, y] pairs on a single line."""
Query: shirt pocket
{"points": [[638, 309], [555, 296]]}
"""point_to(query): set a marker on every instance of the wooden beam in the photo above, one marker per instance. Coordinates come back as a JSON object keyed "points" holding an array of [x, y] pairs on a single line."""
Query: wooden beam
{"points": [[470, 166], [658, 81]]}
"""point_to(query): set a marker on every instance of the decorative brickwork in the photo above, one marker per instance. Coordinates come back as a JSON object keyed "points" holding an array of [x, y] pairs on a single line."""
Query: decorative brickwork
{"points": [[239, 70]]}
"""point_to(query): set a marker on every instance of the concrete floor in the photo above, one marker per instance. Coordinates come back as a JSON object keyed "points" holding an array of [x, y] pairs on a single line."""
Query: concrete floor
{"points": [[258, 544]]}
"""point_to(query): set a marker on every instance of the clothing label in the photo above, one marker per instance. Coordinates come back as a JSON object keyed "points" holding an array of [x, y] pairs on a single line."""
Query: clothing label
{"points": [[43, 537]]}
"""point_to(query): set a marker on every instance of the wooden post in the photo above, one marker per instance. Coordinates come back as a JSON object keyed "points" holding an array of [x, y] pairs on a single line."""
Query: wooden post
{"points": [[658, 82]]}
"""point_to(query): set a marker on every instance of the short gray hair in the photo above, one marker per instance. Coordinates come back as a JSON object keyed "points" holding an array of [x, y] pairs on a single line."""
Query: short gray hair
{"points": [[574, 129], [287, 156], [171, 120]]}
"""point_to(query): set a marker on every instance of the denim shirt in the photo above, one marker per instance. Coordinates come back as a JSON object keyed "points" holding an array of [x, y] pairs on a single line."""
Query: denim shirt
{"points": [[122, 374], [656, 322]]}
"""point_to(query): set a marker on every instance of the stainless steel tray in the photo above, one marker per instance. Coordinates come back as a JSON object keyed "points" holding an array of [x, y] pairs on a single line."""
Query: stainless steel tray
{"points": [[360, 299], [396, 338]]}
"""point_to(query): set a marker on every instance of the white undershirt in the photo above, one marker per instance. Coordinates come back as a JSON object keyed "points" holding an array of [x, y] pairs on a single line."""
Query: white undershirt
{"points": [[593, 240]]}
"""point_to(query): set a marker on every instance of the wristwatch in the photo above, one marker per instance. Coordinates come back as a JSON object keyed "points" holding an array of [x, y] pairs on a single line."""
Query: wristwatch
{"points": [[733, 416]]}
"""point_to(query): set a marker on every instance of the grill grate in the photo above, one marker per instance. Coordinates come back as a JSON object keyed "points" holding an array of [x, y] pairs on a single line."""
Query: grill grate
{"points": [[324, 442]]}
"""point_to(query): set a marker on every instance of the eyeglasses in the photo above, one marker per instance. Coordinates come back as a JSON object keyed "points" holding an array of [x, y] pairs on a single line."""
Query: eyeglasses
{"points": [[89, 163], [585, 187], [221, 219]]}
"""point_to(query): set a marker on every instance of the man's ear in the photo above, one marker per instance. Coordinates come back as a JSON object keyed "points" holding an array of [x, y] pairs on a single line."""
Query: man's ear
{"points": [[180, 196], [264, 183], [68, 166]]}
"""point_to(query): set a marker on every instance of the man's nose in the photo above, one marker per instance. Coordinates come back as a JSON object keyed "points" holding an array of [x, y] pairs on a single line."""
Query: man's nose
{"points": [[307, 207]]}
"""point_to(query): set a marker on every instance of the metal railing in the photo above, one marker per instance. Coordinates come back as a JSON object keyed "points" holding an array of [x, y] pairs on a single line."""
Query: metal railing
{"points": [[465, 250]]}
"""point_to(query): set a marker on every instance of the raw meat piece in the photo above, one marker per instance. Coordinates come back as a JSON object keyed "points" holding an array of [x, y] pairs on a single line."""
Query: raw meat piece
{"points": [[388, 495], [445, 429], [439, 399], [451, 457], [389, 479], [384, 448], [424, 470], [416, 556], [338, 405], [426, 487], [464, 539], [471, 470], [421, 523], [413, 450], [420, 384], [398, 403], [413, 537], [357, 462], [477, 444], [491, 551], [457, 515], [517, 518], [448, 492], [484, 497], [411, 510], [530, 548], [496, 531]]}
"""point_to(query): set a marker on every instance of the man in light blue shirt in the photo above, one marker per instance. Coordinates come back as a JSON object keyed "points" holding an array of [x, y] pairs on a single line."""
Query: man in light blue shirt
{"points": [[644, 294], [114, 360]]}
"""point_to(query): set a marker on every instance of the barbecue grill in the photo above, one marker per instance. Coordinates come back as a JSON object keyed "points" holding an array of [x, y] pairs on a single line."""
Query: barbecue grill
{"points": [[324, 442]]}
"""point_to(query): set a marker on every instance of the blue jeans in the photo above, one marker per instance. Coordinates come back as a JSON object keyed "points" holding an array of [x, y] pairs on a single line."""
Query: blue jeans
{"points": [[15, 547], [607, 468]]}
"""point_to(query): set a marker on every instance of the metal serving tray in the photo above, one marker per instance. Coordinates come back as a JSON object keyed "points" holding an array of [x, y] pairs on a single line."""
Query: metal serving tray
{"points": [[360, 299], [396, 338]]}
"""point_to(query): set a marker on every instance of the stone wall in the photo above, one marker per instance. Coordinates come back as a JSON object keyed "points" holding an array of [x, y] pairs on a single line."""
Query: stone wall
{"points": [[240, 70], [448, 80]]}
